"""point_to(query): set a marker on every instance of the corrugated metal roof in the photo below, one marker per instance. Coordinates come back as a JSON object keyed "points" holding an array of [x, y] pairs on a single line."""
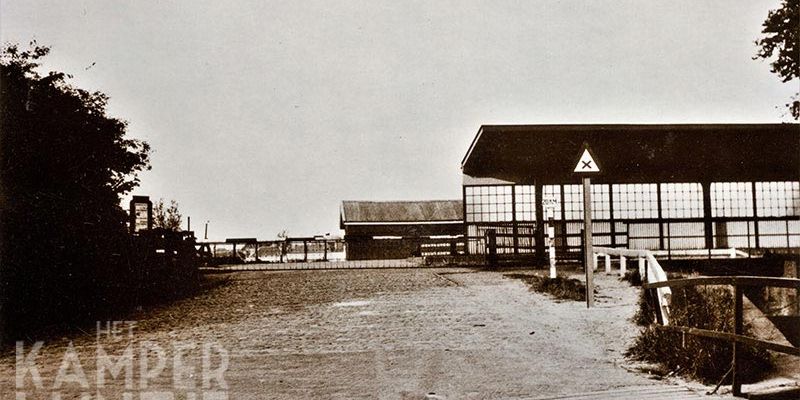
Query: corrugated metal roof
{"points": [[402, 211]]}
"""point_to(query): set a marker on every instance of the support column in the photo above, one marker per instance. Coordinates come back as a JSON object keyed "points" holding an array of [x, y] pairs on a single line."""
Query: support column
{"points": [[660, 218], [708, 225], [514, 227], [541, 259], [466, 220], [755, 215], [613, 229]]}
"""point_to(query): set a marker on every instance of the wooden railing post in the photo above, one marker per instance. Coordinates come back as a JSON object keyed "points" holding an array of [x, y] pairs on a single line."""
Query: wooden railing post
{"points": [[642, 270], [738, 327], [622, 266]]}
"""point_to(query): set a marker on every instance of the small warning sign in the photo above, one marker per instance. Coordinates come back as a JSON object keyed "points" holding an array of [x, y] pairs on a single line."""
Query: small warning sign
{"points": [[587, 163]]}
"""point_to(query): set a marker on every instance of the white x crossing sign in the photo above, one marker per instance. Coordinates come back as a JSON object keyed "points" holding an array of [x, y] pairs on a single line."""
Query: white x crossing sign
{"points": [[586, 163]]}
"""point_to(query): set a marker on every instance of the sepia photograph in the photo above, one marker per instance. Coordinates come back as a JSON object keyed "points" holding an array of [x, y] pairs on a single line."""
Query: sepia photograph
{"points": [[399, 199]]}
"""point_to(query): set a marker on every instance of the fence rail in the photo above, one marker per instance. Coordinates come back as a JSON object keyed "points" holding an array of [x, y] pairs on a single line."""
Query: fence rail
{"points": [[736, 337], [274, 251]]}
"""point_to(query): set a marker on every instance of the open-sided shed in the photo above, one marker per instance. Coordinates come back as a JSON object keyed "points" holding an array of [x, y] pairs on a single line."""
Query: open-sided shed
{"points": [[660, 186]]}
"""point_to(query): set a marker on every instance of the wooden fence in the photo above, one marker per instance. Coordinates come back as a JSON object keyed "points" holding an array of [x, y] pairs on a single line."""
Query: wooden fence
{"points": [[736, 337]]}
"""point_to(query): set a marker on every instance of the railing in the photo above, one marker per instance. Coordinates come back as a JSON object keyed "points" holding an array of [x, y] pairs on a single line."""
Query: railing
{"points": [[272, 251], [736, 337], [649, 269]]}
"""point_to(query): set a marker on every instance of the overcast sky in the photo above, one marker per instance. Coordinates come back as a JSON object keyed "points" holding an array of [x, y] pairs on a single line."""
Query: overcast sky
{"points": [[265, 115]]}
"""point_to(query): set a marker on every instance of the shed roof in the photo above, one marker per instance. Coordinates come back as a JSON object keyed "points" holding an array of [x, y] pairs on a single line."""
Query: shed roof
{"points": [[401, 211], [637, 153]]}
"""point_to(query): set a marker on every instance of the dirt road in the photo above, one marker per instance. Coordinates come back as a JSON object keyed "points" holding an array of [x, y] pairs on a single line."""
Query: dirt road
{"points": [[349, 334]]}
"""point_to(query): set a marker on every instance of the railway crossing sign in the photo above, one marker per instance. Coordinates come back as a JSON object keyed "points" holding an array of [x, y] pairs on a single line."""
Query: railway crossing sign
{"points": [[586, 167], [587, 163]]}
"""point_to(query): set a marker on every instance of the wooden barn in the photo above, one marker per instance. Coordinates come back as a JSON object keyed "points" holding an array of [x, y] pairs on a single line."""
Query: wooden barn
{"points": [[401, 229], [660, 187]]}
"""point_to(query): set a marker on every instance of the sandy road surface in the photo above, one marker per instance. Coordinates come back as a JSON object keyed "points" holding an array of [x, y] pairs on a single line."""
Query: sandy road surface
{"points": [[349, 334]]}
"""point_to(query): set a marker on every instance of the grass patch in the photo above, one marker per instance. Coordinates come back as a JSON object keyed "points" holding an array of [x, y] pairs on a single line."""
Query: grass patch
{"points": [[560, 287], [704, 359]]}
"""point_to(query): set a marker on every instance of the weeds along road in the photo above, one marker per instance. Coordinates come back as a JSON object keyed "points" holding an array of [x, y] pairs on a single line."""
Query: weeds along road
{"points": [[349, 334]]}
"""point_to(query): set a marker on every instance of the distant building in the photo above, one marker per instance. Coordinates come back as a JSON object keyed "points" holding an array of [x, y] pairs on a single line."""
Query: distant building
{"points": [[400, 229], [660, 186]]}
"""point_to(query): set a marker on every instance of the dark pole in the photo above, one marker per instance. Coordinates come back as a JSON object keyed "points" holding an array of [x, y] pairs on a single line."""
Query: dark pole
{"points": [[588, 253], [708, 225], [206, 234]]}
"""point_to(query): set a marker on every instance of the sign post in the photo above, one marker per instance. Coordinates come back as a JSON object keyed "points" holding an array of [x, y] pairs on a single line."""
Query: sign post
{"points": [[549, 211], [586, 167]]}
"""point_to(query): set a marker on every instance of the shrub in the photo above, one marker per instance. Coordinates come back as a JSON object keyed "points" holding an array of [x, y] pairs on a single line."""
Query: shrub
{"points": [[560, 287], [705, 359], [632, 277]]}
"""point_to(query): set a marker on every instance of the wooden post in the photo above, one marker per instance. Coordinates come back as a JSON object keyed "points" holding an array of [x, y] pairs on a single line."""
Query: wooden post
{"points": [[587, 240], [325, 252], [491, 243], [755, 215], [738, 326], [257, 260], [622, 266], [708, 225], [660, 218], [642, 271], [608, 263], [514, 224], [305, 251]]}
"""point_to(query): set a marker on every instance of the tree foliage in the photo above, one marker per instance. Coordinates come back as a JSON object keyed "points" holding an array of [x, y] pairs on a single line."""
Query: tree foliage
{"points": [[781, 44], [64, 165], [167, 216]]}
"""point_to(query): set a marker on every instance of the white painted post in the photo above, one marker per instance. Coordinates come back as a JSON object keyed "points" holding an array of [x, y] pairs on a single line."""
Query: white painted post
{"points": [[733, 252], [622, 265], [608, 264], [594, 261], [641, 268], [551, 250]]}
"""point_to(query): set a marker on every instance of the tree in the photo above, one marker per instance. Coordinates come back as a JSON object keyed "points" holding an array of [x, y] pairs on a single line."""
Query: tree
{"points": [[782, 41], [167, 217], [64, 166]]}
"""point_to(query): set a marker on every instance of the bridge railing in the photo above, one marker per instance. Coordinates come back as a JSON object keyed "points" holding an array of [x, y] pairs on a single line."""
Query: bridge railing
{"points": [[649, 269], [736, 337]]}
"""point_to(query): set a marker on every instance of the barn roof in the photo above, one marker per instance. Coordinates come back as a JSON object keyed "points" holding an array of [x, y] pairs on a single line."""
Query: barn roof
{"points": [[430, 211], [637, 153]]}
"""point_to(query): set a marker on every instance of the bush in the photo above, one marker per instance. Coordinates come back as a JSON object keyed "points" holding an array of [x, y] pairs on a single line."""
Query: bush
{"points": [[632, 277], [705, 359], [560, 287]]}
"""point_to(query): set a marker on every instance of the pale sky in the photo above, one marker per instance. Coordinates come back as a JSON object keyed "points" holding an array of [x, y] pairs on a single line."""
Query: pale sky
{"points": [[265, 115]]}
